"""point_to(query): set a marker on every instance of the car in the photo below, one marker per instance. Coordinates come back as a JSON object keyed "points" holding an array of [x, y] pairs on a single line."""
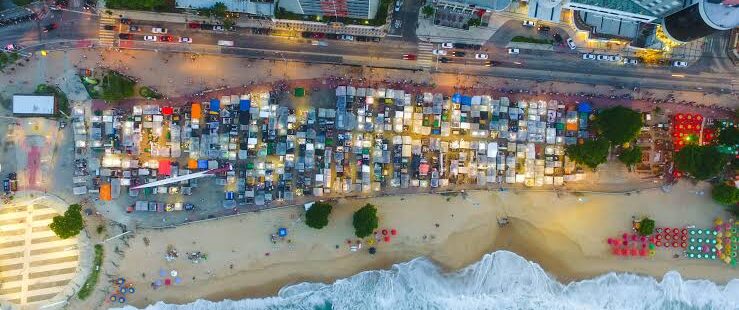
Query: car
{"points": [[465, 46], [439, 52], [347, 37], [185, 40], [513, 51], [630, 61], [481, 56], [126, 21], [445, 60], [588, 56], [109, 27], [543, 28], [193, 25], [50, 27], [6, 185], [159, 30], [398, 4], [571, 43], [458, 54], [217, 28], [409, 57], [601, 57], [398, 23], [447, 45], [125, 36], [614, 58], [150, 38], [166, 38], [491, 63], [528, 23], [680, 63], [134, 28]]}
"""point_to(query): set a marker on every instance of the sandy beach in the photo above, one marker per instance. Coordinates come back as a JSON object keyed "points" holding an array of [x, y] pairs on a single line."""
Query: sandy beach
{"points": [[563, 233]]}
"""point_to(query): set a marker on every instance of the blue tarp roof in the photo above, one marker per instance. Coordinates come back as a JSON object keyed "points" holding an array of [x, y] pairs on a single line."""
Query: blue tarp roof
{"points": [[584, 107], [202, 164], [466, 100], [215, 105], [457, 98], [244, 105]]}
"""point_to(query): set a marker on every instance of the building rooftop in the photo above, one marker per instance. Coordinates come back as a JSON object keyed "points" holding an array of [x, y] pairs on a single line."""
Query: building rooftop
{"points": [[619, 5]]}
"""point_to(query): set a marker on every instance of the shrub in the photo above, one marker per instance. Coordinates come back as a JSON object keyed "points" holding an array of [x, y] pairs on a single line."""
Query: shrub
{"points": [[365, 221], [68, 225], [631, 156], [317, 216], [646, 227], [92, 279], [116, 86], [725, 194], [149, 93], [428, 11]]}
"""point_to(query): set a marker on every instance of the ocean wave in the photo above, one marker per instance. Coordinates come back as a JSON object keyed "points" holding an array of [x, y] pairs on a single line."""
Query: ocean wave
{"points": [[500, 280]]}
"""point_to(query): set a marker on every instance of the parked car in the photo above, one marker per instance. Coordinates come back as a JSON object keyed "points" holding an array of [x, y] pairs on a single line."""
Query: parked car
{"points": [[50, 27], [134, 28], [481, 56], [409, 57], [110, 27], [588, 56], [150, 38], [466, 46], [347, 37], [125, 36], [439, 52], [602, 57], [126, 21], [158, 30], [225, 43], [185, 40], [193, 25], [528, 23], [458, 54], [571, 43], [543, 28], [630, 61], [6, 186], [447, 45], [445, 60], [217, 28], [398, 4], [166, 38], [679, 63], [513, 51], [614, 58]]}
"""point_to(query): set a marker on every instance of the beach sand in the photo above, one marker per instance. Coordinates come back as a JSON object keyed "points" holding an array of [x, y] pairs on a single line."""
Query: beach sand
{"points": [[565, 233]]}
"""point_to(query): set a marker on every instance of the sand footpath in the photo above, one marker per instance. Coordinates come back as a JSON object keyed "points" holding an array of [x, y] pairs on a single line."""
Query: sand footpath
{"points": [[564, 233]]}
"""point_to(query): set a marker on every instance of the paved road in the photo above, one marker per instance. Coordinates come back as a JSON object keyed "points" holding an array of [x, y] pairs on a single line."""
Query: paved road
{"points": [[74, 24]]}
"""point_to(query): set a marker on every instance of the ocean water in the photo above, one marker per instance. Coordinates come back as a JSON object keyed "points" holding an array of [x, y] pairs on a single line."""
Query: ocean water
{"points": [[500, 280]]}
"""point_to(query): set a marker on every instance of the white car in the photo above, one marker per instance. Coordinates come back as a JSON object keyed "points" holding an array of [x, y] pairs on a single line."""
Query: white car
{"points": [[447, 45], [439, 52], [571, 44], [602, 57], [481, 56], [528, 23], [397, 6], [185, 40], [158, 30], [588, 56], [614, 58], [680, 64], [513, 51], [150, 38], [347, 37], [630, 61], [217, 28]]}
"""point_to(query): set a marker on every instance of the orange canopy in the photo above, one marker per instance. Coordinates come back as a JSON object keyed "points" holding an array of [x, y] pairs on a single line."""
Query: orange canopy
{"points": [[196, 111], [105, 192], [192, 164]]}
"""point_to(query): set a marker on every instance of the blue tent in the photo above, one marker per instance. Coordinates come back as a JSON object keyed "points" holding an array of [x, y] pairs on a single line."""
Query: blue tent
{"points": [[215, 105], [202, 164], [244, 105], [229, 195], [584, 107], [466, 100], [457, 98], [282, 232]]}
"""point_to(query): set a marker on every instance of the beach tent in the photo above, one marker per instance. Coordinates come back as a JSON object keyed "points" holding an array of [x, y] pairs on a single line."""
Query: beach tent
{"points": [[282, 232], [167, 110], [584, 107], [105, 192], [299, 92], [196, 110], [244, 104], [192, 164], [457, 98], [215, 105], [165, 167]]}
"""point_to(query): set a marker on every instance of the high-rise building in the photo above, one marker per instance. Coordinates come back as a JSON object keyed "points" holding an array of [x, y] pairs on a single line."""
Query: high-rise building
{"points": [[361, 9], [701, 19]]}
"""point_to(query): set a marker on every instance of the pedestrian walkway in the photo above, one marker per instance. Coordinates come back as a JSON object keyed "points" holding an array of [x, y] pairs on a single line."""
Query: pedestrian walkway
{"points": [[425, 56], [107, 37]]}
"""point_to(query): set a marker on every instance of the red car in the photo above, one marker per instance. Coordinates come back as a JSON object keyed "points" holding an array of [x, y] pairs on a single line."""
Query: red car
{"points": [[125, 36], [50, 27], [193, 25], [166, 38], [409, 57]]}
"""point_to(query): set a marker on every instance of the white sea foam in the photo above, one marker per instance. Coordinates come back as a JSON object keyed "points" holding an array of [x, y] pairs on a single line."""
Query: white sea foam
{"points": [[501, 280]]}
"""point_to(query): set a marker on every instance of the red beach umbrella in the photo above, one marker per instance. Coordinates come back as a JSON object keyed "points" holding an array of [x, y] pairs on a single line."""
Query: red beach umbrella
{"points": [[615, 251], [393, 232], [167, 281], [685, 245], [634, 252], [643, 252], [387, 238], [384, 232], [624, 251]]}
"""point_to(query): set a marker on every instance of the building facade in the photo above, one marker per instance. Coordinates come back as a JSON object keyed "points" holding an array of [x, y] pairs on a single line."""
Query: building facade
{"points": [[361, 9]]}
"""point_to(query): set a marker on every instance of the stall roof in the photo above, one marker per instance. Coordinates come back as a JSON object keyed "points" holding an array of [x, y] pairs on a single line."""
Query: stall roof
{"points": [[105, 192], [33, 105], [165, 167], [196, 111], [215, 105]]}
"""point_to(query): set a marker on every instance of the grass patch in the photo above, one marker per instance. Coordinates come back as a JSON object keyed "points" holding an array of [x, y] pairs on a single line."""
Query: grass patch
{"points": [[61, 97], [149, 93], [142, 5], [92, 279], [531, 40], [116, 86], [8, 58]]}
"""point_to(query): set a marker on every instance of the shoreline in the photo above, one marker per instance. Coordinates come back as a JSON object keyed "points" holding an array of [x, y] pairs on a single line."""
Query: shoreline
{"points": [[555, 236]]}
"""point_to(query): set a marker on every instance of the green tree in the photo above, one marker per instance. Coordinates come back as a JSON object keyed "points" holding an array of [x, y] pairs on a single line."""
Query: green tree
{"points": [[619, 124], [591, 153], [646, 226], [631, 156], [725, 194], [317, 216], [68, 225], [428, 11], [729, 136], [701, 162], [219, 9], [365, 221], [474, 22]]}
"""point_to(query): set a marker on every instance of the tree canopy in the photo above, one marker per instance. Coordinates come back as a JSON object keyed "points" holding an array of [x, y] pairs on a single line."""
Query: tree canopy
{"points": [[428, 10], [646, 226], [729, 136], [365, 221], [591, 153], [317, 216], [619, 124], [725, 194], [631, 156], [701, 162], [68, 225]]}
